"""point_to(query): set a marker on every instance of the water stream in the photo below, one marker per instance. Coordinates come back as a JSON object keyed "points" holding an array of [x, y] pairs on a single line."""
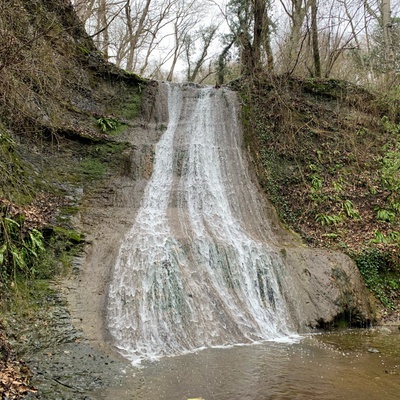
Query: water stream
{"points": [[196, 270]]}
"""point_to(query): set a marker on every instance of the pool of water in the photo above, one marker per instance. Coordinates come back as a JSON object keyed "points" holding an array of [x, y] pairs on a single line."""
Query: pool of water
{"points": [[340, 365]]}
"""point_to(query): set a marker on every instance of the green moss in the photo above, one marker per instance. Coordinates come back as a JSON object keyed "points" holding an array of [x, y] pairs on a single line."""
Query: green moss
{"points": [[69, 235], [25, 297], [69, 210], [92, 169], [15, 182], [131, 107]]}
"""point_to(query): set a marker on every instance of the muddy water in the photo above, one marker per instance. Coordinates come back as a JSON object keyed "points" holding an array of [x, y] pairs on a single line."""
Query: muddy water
{"points": [[348, 365]]}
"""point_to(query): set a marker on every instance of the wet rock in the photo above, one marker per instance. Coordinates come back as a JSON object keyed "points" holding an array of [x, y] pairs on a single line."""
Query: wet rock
{"points": [[74, 370], [373, 350], [65, 366]]}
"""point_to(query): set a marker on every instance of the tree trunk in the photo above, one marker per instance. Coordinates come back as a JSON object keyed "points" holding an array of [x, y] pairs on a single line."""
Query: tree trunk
{"points": [[222, 62], [134, 36], [176, 54], [259, 7], [267, 46], [297, 22], [388, 43], [106, 37], [315, 43]]}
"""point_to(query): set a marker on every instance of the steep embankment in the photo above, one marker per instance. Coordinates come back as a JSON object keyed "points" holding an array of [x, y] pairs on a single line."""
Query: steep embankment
{"points": [[62, 111], [327, 154]]}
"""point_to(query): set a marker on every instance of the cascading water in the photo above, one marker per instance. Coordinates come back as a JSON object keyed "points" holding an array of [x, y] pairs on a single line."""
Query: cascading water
{"points": [[195, 269]]}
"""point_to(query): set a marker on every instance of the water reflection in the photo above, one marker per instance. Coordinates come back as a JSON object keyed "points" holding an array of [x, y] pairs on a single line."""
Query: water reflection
{"points": [[347, 365]]}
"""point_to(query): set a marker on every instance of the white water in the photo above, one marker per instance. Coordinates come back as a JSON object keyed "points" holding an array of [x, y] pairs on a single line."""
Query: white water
{"points": [[195, 269]]}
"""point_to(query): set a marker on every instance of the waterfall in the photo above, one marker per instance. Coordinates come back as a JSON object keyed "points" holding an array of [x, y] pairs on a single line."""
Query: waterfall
{"points": [[196, 268]]}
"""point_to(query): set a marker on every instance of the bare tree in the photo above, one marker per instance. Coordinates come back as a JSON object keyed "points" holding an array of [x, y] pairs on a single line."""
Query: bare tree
{"points": [[102, 28], [344, 38], [297, 11], [203, 37], [135, 32], [159, 21], [187, 16]]}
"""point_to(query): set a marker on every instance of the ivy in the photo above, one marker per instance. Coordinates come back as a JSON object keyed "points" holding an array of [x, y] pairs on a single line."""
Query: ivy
{"points": [[379, 275]]}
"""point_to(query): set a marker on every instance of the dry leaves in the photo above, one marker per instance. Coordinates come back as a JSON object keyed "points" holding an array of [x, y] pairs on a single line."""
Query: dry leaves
{"points": [[36, 215], [14, 382], [15, 375]]}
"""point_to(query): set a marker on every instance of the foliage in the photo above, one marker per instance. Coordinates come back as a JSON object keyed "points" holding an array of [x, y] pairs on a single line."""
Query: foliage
{"points": [[380, 275], [390, 178], [325, 219], [14, 181], [385, 215], [390, 170], [107, 123], [351, 212], [22, 250], [389, 104], [393, 237], [131, 104]]}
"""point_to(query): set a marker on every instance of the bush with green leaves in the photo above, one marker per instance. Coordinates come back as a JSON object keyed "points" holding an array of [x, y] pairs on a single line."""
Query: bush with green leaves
{"points": [[20, 251], [107, 123], [381, 275], [350, 210], [326, 219], [390, 171]]}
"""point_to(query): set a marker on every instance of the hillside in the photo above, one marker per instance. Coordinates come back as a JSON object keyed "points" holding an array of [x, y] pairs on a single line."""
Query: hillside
{"points": [[62, 112], [62, 108], [327, 154]]}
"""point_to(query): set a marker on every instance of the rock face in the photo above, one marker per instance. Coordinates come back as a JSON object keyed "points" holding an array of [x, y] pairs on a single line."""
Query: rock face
{"points": [[329, 287], [107, 216], [319, 287]]}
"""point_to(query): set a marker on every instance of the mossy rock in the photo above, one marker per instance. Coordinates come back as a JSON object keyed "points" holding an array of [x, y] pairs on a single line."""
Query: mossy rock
{"points": [[69, 234]]}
